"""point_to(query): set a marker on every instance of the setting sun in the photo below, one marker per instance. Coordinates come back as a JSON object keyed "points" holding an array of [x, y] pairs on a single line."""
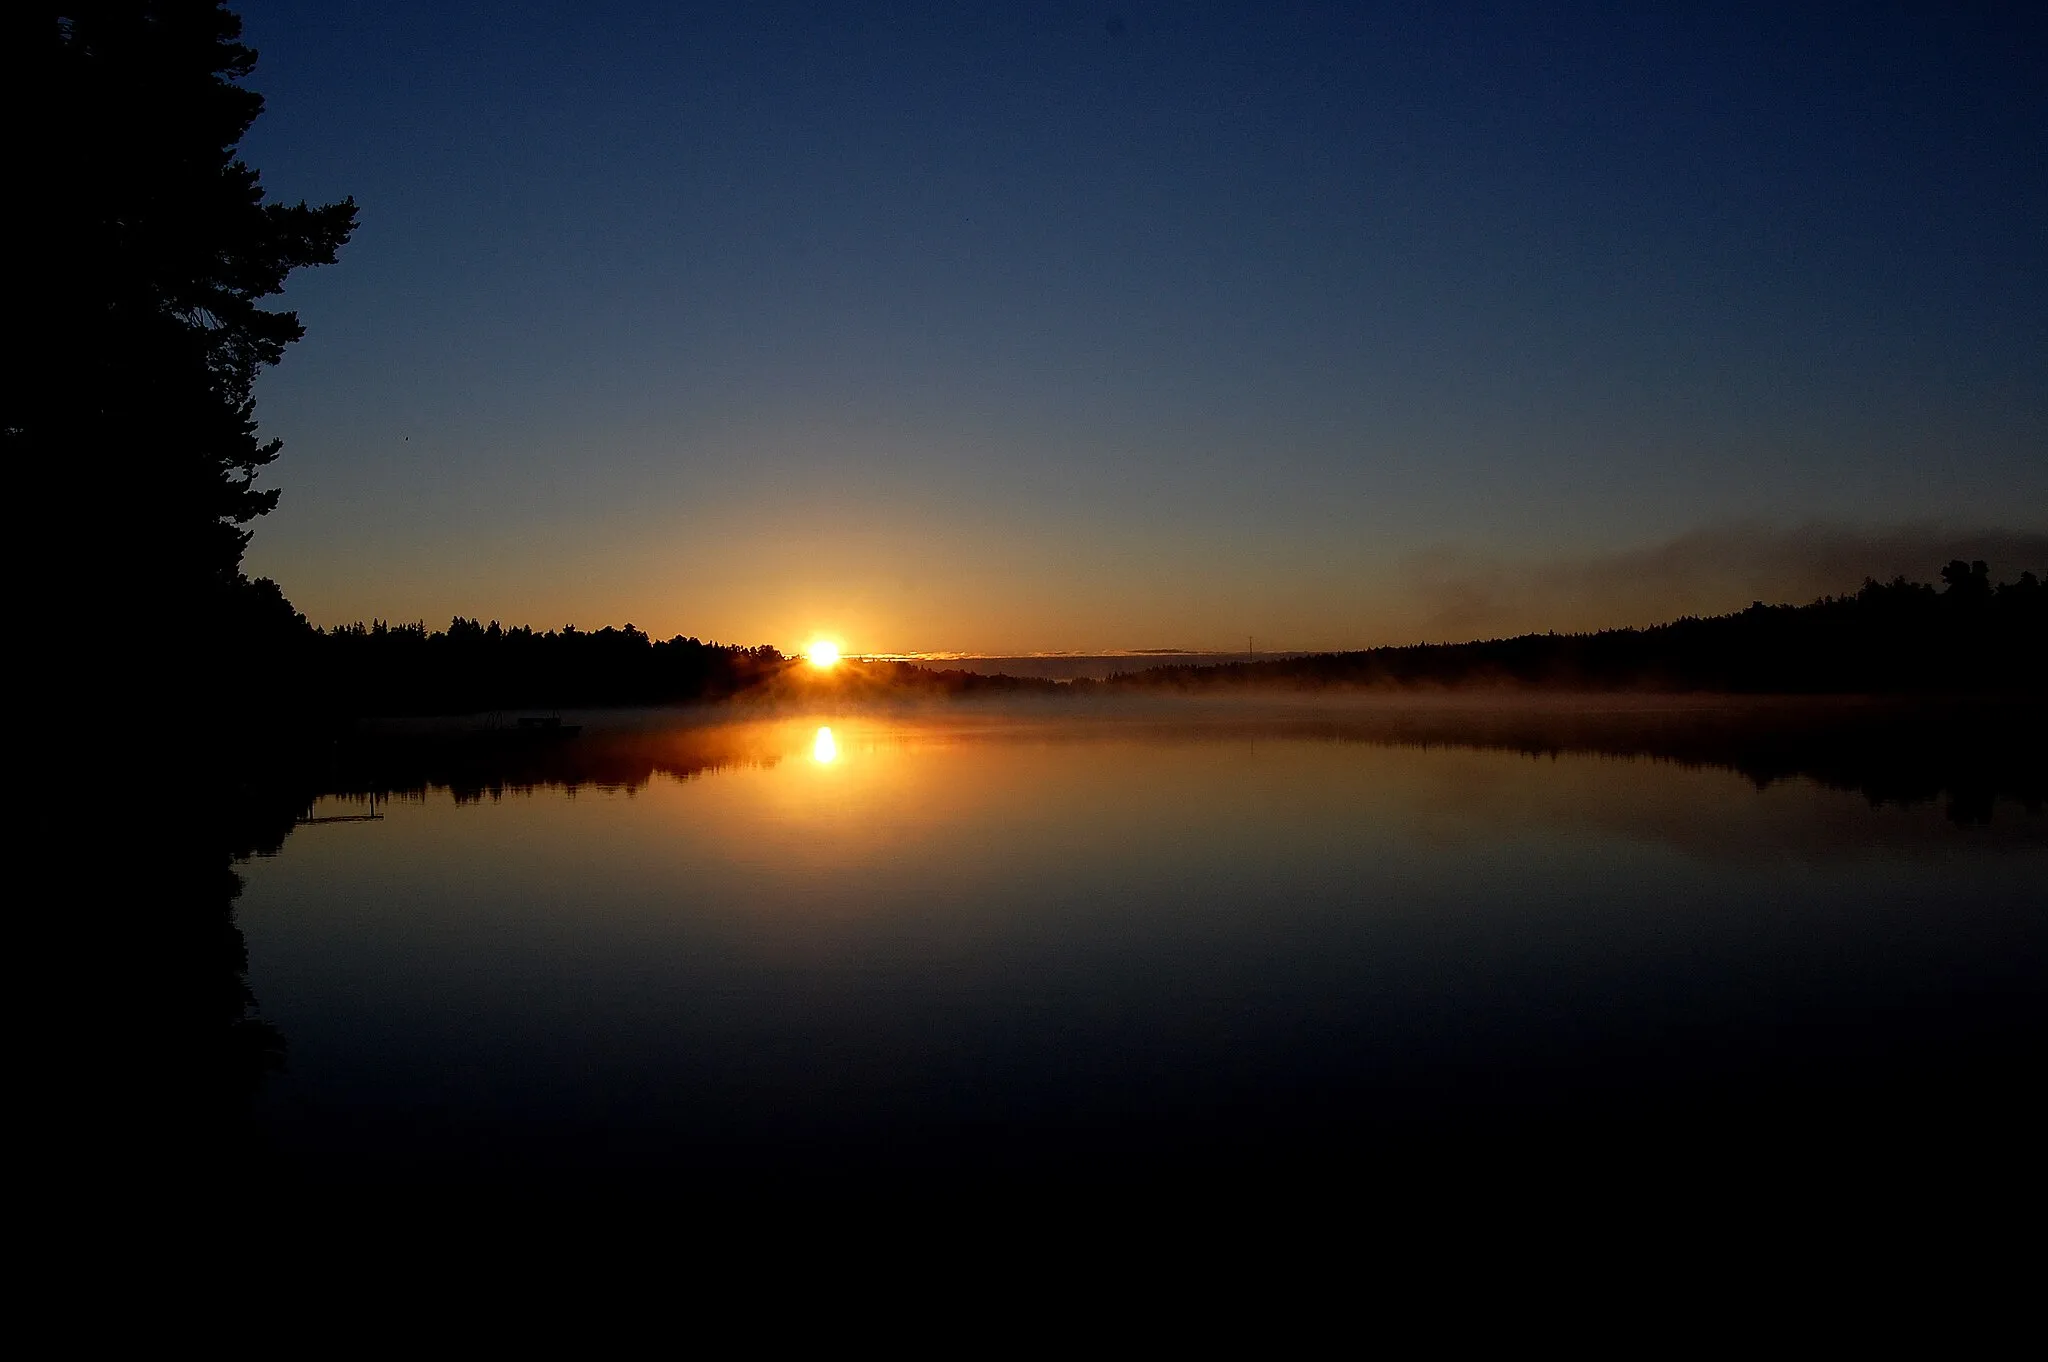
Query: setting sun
{"points": [[823, 653]]}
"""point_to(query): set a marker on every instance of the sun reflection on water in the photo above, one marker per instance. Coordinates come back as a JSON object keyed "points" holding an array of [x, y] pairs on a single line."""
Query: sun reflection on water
{"points": [[824, 749]]}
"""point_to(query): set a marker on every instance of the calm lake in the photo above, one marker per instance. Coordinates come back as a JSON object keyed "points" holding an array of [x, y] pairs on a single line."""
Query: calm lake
{"points": [[864, 944]]}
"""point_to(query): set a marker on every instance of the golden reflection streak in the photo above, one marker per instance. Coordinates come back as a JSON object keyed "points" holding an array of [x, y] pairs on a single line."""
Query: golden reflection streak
{"points": [[824, 750]]}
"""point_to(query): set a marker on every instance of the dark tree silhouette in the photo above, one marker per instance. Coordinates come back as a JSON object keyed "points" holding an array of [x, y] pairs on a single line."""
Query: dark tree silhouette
{"points": [[139, 251], [145, 247], [1890, 638], [1968, 581]]}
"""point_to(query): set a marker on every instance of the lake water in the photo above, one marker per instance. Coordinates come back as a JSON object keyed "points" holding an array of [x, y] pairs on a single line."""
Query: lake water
{"points": [[870, 944]]}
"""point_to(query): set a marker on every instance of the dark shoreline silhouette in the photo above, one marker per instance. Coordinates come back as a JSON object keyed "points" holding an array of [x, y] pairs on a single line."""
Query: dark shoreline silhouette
{"points": [[1900, 638], [380, 670], [1890, 638]]}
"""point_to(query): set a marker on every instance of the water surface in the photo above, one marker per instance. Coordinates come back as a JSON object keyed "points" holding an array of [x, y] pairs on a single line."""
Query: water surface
{"points": [[845, 945]]}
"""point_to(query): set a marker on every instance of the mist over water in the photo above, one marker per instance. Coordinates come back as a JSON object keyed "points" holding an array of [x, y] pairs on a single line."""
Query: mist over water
{"points": [[985, 939], [1069, 666]]}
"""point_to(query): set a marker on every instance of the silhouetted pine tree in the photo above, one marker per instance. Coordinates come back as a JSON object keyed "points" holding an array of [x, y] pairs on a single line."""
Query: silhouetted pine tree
{"points": [[143, 247], [138, 249]]}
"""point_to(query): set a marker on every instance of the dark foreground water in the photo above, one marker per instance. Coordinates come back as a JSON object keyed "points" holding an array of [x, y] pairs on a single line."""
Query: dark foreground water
{"points": [[855, 948]]}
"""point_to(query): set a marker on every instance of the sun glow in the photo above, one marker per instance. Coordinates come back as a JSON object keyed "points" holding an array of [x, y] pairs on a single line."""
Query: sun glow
{"points": [[823, 749], [823, 653]]}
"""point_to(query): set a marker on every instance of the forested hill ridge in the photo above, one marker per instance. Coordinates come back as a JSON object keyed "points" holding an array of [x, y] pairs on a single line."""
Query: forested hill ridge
{"points": [[1967, 637], [1900, 637]]}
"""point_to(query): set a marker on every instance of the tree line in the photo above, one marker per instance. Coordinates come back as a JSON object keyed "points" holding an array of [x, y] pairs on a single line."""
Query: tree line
{"points": [[308, 675], [1897, 637], [377, 668]]}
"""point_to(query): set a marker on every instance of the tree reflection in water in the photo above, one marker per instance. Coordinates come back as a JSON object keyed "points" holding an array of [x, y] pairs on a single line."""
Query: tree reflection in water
{"points": [[1970, 757]]}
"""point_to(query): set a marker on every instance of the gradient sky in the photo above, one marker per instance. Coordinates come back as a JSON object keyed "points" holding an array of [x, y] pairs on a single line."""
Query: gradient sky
{"points": [[1034, 327]]}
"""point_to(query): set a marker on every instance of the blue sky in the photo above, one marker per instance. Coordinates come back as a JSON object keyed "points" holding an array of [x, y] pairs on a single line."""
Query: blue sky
{"points": [[1061, 327]]}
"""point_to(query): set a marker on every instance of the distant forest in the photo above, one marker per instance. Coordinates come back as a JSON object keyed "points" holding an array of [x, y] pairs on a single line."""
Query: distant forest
{"points": [[379, 669], [1895, 637], [1901, 637]]}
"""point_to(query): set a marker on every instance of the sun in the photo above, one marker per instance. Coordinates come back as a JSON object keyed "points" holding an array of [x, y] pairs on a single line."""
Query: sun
{"points": [[823, 653]]}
